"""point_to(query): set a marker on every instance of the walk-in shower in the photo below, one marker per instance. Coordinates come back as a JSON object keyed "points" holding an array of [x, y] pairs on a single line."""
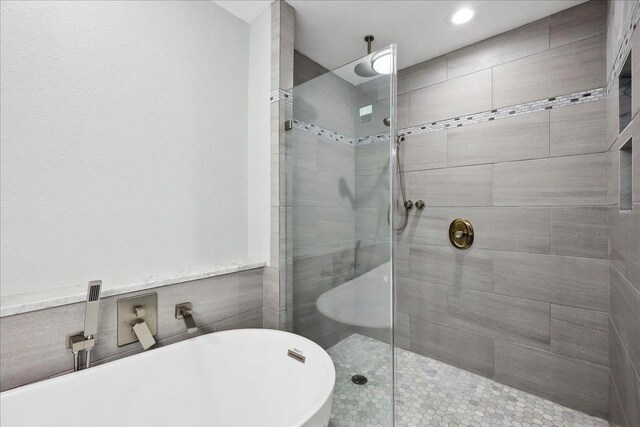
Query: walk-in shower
{"points": [[459, 259]]}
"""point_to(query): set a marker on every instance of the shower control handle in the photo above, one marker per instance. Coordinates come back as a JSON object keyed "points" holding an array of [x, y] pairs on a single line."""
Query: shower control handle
{"points": [[408, 204], [420, 204]]}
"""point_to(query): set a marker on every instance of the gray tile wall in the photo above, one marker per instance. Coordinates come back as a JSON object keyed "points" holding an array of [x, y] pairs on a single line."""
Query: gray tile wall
{"points": [[33, 345], [623, 228], [277, 298], [322, 199], [528, 304]]}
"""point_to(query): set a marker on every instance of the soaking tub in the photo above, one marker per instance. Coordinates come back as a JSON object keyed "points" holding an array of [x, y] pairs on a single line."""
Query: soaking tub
{"points": [[242, 377]]}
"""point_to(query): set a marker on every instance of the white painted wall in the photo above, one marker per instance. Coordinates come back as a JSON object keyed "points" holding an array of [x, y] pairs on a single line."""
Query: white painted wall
{"points": [[259, 137], [123, 141]]}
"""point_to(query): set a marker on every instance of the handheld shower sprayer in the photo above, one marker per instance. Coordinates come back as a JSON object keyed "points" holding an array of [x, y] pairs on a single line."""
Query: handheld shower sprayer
{"points": [[91, 312], [85, 341], [406, 204]]}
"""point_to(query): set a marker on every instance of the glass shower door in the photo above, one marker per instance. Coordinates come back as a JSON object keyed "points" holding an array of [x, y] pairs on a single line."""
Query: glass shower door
{"points": [[339, 226]]}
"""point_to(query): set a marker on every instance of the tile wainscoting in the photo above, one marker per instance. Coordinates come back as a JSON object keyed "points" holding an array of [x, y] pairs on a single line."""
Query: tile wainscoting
{"points": [[33, 345]]}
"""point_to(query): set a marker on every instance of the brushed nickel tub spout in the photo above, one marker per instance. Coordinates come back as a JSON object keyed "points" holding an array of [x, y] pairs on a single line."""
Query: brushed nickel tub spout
{"points": [[183, 311]]}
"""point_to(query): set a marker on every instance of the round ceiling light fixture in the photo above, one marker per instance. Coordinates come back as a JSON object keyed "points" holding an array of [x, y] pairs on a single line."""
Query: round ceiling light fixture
{"points": [[381, 62], [462, 16]]}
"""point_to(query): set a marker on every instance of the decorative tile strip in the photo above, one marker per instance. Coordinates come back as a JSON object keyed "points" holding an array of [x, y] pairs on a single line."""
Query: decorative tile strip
{"points": [[625, 46], [276, 95], [317, 130], [497, 114], [471, 119]]}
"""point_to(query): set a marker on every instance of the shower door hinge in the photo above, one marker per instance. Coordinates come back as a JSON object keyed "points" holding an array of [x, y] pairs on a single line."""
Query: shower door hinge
{"points": [[288, 125]]}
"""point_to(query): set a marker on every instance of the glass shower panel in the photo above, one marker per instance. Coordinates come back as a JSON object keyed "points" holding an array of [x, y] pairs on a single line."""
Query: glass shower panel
{"points": [[339, 233]]}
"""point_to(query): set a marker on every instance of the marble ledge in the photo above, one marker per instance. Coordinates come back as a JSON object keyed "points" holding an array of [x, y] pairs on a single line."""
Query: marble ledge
{"points": [[32, 301]]}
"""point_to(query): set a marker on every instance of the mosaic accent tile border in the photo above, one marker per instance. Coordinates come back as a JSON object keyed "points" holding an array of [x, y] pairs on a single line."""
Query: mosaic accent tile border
{"points": [[472, 119], [276, 95], [320, 131], [499, 113], [625, 46], [432, 393]]}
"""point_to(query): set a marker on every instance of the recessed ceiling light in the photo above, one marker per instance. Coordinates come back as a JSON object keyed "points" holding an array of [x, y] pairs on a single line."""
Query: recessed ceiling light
{"points": [[462, 16]]}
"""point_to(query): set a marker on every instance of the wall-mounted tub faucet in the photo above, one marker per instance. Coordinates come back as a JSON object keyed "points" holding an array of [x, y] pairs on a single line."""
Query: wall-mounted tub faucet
{"points": [[140, 328], [86, 340], [183, 311]]}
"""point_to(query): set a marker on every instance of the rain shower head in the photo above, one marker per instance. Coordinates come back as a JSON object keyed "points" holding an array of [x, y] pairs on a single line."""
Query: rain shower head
{"points": [[364, 68]]}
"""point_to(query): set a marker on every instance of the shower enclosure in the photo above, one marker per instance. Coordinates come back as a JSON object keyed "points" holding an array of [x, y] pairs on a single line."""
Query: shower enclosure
{"points": [[339, 226], [503, 298]]}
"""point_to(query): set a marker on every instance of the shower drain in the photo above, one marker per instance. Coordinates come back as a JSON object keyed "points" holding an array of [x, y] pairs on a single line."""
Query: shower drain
{"points": [[359, 379]]}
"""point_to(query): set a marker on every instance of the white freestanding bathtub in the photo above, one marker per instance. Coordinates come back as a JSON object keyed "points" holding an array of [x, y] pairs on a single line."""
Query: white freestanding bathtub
{"points": [[235, 378]]}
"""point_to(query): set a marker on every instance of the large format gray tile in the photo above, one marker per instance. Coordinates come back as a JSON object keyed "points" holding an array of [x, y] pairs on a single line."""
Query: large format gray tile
{"points": [[635, 74], [335, 224], [402, 116], [575, 180], [445, 265], [271, 288], [370, 255], [613, 177], [612, 112], [616, 416], [248, 320], [563, 70], [579, 231], [366, 160], [33, 345], [424, 151], [578, 23], [422, 300], [624, 244], [305, 69], [625, 378], [581, 334], [452, 98], [462, 348], [499, 316], [517, 138], [304, 148], [322, 188], [402, 330], [576, 282], [625, 314], [574, 383], [371, 224], [270, 319], [517, 43], [326, 101], [372, 191], [464, 186], [579, 129], [422, 74], [335, 157], [311, 269], [496, 227], [305, 226]]}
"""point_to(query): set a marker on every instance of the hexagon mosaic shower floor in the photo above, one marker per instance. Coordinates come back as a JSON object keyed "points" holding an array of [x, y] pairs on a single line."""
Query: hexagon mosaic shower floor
{"points": [[432, 393]]}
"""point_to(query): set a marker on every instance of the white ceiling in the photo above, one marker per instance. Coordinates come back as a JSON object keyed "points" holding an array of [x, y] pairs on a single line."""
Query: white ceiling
{"points": [[331, 32], [247, 10]]}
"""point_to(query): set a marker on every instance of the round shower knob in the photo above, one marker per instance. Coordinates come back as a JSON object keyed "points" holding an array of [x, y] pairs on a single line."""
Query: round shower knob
{"points": [[420, 204], [461, 233]]}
